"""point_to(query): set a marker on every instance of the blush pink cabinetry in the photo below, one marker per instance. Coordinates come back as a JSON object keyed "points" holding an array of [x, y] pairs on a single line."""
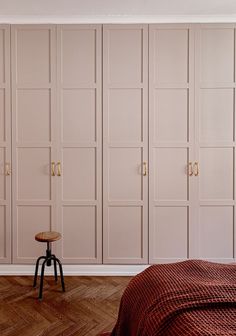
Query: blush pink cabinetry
{"points": [[215, 84], [79, 197], [34, 137], [167, 95], [125, 144], [192, 127], [5, 146], [171, 142], [56, 91]]}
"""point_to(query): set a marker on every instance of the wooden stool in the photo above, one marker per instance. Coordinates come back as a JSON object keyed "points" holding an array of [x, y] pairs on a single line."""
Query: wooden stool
{"points": [[48, 237]]}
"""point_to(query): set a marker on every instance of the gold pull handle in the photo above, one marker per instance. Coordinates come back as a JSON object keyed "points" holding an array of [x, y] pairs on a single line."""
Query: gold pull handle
{"points": [[196, 168], [190, 169], [58, 168], [144, 168], [7, 169], [53, 169]]}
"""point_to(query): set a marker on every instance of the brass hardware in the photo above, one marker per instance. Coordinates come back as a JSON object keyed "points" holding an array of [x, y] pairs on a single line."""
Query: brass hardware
{"points": [[58, 168], [190, 169], [144, 168], [53, 168], [7, 169], [196, 168]]}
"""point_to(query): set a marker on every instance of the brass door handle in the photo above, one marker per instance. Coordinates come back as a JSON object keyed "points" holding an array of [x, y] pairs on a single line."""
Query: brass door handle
{"points": [[7, 169], [190, 169], [144, 168], [53, 168], [196, 168], [58, 168]]}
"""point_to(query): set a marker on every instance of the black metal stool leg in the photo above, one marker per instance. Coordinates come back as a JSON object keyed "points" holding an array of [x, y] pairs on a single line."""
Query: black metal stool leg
{"points": [[36, 270], [61, 273], [41, 280], [55, 266], [47, 262]]}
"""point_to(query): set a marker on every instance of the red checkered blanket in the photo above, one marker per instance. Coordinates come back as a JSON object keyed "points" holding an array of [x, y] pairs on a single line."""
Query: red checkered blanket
{"points": [[188, 298]]}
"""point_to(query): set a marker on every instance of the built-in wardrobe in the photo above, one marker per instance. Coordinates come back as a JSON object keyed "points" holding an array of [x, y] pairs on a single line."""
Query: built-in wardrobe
{"points": [[121, 137]]}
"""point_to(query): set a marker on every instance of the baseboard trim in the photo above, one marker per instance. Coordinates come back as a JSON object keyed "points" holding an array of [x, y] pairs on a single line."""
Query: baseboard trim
{"points": [[94, 270], [77, 270]]}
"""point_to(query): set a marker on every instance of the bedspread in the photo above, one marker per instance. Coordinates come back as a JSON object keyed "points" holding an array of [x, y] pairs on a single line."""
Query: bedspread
{"points": [[188, 298]]}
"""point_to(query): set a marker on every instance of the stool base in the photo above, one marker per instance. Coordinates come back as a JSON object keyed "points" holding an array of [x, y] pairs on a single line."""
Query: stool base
{"points": [[48, 261]]}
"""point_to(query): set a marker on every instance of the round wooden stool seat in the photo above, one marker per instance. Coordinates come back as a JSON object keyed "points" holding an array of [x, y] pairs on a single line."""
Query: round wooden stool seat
{"points": [[47, 236]]}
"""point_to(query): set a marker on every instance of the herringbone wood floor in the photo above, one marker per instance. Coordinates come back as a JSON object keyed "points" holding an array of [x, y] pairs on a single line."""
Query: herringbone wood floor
{"points": [[88, 307]]}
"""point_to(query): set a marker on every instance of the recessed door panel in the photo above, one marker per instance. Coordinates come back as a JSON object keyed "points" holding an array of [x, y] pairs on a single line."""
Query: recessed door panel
{"points": [[3, 235], [33, 115], [33, 55], [216, 175], [217, 115], [171, 179], [79, 56], [125, 106], [79, 173], [34, 174], [171, 55], [79, 115], [2, 175], [2, 115], [79, 230], [125, 233], [217, 55], [216, 232], [31, 220], [125, 55], [171, 115], [170, 232], [125, 174]]}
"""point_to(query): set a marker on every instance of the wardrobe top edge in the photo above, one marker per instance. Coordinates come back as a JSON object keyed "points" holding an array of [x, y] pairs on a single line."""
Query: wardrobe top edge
{"points": [[228, 24], [118, 19]]}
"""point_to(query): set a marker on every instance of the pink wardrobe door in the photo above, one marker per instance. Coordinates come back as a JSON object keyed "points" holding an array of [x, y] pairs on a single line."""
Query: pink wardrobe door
{"points": [[125, 144], [215, 141], [33, 137], [79, 143], [5, 146], [171, 142]]}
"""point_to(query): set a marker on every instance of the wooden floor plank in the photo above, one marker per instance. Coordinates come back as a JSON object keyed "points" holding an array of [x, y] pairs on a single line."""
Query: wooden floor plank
{"points": [[88, 307]]}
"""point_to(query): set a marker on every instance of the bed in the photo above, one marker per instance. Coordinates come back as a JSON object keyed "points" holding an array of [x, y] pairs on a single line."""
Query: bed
{"points": [[192, 297]]}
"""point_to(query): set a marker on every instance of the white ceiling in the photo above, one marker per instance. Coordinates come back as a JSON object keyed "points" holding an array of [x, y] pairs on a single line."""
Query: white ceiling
{"points": [[144, 10]]}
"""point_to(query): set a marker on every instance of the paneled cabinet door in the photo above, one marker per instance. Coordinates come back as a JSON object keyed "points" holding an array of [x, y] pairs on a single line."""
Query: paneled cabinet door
{"points": [[125, 171], [5, 146], [215, 141], [79, 144], [33, 131], [171, 143]]}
